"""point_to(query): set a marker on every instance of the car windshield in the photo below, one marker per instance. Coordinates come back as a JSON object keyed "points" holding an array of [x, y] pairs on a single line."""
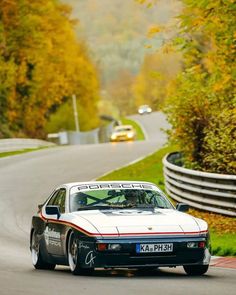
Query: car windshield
{"points": [[122, 129], [118, 199]]}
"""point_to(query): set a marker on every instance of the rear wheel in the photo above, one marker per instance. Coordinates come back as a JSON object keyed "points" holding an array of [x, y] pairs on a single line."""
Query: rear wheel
{"points": [[73, 257], [195, 270], [36, 256]]}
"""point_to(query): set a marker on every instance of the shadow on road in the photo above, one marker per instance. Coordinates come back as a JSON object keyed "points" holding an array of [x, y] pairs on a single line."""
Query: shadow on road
{"points": [[135, 273]]}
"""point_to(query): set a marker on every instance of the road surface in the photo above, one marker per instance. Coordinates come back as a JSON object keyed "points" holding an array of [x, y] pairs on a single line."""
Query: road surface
{"points": [[27, 179]]}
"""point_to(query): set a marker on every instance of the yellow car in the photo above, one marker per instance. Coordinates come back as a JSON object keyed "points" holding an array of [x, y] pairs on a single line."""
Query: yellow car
{"points": [[123, 133]]}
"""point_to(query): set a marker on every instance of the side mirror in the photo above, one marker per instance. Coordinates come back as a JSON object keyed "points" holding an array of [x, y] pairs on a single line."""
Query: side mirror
{"points": [[182, 207], [40, 207], [53, 210]]}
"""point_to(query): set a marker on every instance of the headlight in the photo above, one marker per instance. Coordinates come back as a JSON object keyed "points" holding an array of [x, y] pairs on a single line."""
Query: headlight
{"points": [[192, 245], [196, 244], [114, 247], [113, 136], [108, 247], [130, 135]]}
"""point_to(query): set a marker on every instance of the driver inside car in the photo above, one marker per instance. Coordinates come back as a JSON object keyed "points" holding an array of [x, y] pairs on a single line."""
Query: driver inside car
{"points": [[131, 197], [78, 200]]}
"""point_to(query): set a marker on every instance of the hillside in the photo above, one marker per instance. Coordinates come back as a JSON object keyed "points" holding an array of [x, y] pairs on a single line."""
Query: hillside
{"points": [[116, 31]]}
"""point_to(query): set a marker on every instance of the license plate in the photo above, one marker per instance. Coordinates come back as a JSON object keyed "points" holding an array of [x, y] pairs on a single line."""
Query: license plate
{"points": [[154, 248]]}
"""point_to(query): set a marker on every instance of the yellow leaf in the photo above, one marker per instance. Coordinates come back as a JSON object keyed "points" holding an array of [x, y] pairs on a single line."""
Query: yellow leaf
{"points": [[153, 31]]}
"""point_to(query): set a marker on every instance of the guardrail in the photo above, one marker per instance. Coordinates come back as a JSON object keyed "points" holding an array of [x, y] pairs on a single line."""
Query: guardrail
{"points": [[14, 144], [207, 191], [94, 136]]}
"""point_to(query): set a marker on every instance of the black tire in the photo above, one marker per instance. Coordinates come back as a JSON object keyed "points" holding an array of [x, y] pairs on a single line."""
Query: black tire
{"points": [[195, 270], [36, 256], [73, 255]]}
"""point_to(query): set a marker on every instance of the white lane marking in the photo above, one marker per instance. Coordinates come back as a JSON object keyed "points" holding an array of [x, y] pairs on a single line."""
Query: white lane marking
{"points": [[146, 137]]}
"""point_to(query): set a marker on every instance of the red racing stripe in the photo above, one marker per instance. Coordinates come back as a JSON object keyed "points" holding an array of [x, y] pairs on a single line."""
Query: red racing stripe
{"points": [[120, 234]]}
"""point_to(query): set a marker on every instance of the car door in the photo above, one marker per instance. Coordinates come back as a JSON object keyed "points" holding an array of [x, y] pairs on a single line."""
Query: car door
{"points": [[54, 230]]}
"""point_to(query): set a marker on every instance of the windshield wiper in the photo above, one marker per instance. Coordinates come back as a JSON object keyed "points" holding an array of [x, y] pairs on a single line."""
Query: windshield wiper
{"points": [[99, 207], [143, 206], [95, 207], [119, 206]]}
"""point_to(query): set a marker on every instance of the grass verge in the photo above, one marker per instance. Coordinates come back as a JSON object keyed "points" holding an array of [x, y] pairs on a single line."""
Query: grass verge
{"points": [[223, 244], [13, 153], [139, 131], [223, 228]]}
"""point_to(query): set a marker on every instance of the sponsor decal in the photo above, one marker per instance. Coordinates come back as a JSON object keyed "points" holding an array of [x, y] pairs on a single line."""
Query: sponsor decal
{"points": [[89, 258], [83, 246], [52, 237]]}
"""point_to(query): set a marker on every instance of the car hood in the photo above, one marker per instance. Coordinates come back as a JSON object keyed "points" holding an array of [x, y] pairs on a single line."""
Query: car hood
{"points": [[142, 222]]}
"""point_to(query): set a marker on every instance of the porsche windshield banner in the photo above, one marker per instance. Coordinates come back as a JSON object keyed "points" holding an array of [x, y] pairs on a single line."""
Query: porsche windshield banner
{"points": [[86, 187]]}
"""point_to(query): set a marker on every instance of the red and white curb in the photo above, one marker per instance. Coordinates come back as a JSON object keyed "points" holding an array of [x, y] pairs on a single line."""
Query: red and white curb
{"points": [[224, 262]]}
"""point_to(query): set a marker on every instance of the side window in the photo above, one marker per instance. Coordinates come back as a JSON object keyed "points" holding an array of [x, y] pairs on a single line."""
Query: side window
{"points": [[62, 200], [54, 196], [58, 199]]}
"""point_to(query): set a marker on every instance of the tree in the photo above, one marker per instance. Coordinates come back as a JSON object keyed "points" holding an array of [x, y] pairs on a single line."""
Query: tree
{"points": [[219, 143], [202, 100], [202, 103], [120, 93], [38, 41], [156, 73]]}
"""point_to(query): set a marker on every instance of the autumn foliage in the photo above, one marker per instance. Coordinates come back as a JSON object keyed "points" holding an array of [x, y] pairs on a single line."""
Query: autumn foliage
{"points": [[202, 100], [41, 65], [217, 222], [150, 85], [201, 104]]}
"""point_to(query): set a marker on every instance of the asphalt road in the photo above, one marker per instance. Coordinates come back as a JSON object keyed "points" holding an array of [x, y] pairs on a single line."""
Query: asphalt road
{"points": [[26, 180], [151, 123]]}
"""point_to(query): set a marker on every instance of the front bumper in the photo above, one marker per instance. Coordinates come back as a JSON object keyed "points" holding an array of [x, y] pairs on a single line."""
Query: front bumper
{"points": [[127, 257], [122, 138]]}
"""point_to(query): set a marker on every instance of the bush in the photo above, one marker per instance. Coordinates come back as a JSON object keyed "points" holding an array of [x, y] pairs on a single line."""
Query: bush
{"points": [[202, 101], [219, 145]]}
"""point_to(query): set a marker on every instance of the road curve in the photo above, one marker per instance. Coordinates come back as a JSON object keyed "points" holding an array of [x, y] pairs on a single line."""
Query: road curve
{"points": [[27, 179], [151, 123]]}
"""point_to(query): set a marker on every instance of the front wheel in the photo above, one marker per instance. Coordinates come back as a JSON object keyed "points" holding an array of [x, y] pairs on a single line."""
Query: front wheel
{"points": [[195, 270], [36, 256], [73, 255]]}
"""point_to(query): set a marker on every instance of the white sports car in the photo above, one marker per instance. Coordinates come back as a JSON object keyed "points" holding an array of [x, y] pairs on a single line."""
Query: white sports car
{"points": [[144, 109], [123, 133], [123, 224]]}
